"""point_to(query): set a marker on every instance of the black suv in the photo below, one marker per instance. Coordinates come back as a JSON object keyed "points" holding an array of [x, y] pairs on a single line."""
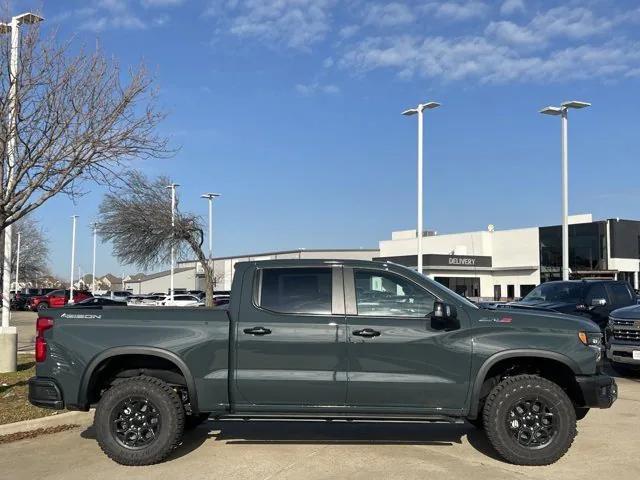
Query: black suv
{"points": [[594, 299]]}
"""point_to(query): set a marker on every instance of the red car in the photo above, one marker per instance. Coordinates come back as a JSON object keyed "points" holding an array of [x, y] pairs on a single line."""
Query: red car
{"points": [[56, 299]]}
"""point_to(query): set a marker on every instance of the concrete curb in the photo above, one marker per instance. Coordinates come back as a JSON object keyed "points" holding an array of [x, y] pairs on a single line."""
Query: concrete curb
{"points": [[68, 418]]}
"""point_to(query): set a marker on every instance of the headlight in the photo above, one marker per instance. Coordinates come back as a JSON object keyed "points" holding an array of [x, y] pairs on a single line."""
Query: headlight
{"points": [[592, 340]]}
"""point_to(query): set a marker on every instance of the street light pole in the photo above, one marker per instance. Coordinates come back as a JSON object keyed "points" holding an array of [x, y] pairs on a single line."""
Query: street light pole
{"points": [[210, 197], [93, 269], [173, 224], [73, 256], [17, 284], [562, 111], [419, 111], [8, 335]]}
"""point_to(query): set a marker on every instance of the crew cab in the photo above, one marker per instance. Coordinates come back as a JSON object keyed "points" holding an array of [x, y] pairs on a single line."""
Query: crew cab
{"points": [[594, 299], [323, 339], [56, 299]]}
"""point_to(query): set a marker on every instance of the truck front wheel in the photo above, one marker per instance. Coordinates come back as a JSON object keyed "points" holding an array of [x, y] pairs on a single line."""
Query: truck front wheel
{"points": [[529, 420], [139, 421]]}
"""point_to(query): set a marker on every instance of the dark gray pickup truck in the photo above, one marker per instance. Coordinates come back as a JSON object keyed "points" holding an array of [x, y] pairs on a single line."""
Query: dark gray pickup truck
{"points": [[323, 339]]}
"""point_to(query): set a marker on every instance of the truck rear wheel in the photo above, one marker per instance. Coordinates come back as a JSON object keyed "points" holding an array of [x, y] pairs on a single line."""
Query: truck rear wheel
{"points": [[529, 420], [139, 421]]}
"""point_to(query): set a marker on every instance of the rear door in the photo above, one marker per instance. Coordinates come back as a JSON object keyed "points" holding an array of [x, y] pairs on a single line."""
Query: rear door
{"points": [[290, 335], [397, 360]]}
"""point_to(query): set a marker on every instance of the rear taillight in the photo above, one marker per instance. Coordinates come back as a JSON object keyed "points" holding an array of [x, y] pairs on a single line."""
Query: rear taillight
{"points": [[42, 324]]}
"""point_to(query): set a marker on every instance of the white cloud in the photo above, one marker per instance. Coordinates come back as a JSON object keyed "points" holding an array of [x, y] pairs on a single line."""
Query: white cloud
{"points": [[294, 23], [315, 88], [451, 59], [105, 15], [388, 15], [456, 11], [572, 23], [509, 7], [349, 31]]}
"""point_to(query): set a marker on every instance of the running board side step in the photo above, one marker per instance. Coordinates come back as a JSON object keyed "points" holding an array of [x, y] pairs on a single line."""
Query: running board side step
{"points": [[341, 417]]}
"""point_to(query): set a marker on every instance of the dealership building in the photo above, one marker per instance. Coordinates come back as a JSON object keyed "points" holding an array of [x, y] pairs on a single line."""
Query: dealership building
{"points": [[506, 264], [488, 264]]}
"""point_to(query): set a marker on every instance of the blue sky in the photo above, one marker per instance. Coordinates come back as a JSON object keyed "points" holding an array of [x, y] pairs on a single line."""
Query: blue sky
{"points": [[291, 110]]}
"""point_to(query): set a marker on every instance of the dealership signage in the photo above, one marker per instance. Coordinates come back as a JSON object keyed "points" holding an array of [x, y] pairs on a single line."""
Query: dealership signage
{"points": [[437, 260]]}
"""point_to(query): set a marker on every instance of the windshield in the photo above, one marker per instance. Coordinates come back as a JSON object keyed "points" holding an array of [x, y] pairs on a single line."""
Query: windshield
{"points": [[557, 291]]}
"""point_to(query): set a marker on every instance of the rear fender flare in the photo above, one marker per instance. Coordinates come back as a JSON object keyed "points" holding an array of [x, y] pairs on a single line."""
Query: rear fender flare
{"points": [[133, 350]]}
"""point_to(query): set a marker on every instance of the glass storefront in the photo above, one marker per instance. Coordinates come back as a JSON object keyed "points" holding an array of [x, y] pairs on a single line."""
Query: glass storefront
{"points": [[587, 249]]}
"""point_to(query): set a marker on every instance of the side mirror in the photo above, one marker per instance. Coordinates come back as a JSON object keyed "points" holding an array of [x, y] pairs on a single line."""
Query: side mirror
{"points": [[598, 302], [444, 317]]}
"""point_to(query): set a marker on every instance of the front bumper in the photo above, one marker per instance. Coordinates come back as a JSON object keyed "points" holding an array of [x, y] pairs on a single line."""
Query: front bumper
{"points": [[598, 391], [44, 392], [622, 353]]}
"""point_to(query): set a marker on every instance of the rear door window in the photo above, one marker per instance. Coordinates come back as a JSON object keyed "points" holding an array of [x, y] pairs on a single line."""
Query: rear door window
{"points": [[296, 290], [620, 294], [596, 292]]}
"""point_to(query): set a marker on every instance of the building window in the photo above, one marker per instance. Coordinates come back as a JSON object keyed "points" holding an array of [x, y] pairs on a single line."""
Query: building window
{"points": [[511, 292], [497, 292], [525, 289], [465, 286], [587, 249], [296, 290]]}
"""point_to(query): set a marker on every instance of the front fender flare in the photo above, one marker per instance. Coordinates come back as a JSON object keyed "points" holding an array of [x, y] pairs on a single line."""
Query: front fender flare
{"points": [[136, 350], [516, 353]]}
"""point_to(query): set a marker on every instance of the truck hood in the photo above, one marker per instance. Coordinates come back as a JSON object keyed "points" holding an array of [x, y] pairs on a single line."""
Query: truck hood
{"points": [[539, 318], [632, 312], [544, 305]]}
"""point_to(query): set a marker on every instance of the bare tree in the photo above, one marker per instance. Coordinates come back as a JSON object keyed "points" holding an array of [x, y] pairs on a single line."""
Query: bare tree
{"points": [[34, 251], [136, 218], [75, 121]]}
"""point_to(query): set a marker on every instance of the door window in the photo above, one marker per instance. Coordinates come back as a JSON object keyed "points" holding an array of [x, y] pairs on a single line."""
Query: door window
{"points": [[620, 294], [387, 295], [296, 290]]}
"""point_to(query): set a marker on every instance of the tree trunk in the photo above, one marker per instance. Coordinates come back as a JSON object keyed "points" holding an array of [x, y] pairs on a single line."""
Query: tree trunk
{"points": [[208, 269]]}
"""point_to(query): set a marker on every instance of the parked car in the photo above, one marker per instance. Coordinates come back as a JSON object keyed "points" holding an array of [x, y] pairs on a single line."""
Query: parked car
{"points": [[120, 296], [56, 299], [594, 299], [181, 301], [148, 300], [21, 298], [622, 338], [96, 302], [321, 339]]}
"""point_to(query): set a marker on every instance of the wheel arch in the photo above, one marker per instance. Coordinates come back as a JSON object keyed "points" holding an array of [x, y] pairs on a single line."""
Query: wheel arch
{"points": [[524, 354], [115, 352]]}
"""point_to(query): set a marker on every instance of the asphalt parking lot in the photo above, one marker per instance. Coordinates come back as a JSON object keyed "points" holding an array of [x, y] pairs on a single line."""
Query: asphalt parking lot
{"points": [[606, 447], [26, 323]]}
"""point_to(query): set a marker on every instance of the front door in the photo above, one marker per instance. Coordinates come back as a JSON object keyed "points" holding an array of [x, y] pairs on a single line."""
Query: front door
{"points": [[291, 348], [397, 360]]}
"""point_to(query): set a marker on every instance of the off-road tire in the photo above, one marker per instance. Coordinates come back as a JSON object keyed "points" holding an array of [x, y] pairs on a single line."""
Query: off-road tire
{"points": [[171, 413], [502, 399], [192, 421]]}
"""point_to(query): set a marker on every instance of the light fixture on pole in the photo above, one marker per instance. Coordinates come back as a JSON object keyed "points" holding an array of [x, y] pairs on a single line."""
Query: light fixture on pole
{"points": [[73, 255], [93, 268], [173, 187], [8, 335], [210, 197], [419, 111], [562, 111]]}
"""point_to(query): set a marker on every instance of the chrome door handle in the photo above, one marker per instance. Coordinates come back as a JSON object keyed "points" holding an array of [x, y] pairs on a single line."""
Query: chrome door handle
{"points": [[366, 332], [257, 331]]}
